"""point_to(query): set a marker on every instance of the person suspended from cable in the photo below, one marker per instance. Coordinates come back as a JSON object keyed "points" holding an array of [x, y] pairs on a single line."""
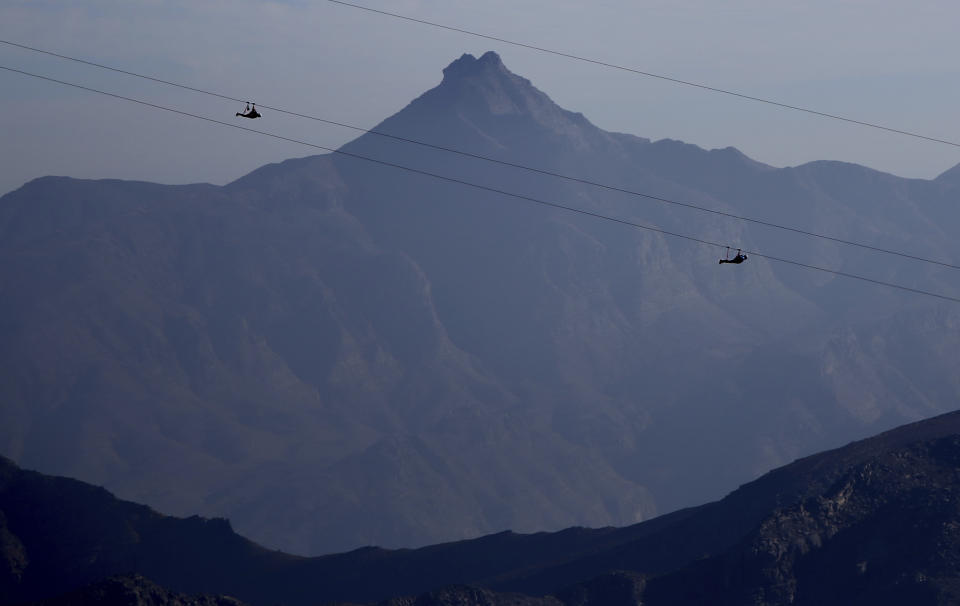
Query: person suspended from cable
{"points": [[250, 113], [740, 258]]}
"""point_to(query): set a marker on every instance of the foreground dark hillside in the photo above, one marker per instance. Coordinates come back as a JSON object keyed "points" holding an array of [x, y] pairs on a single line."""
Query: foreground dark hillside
{"points": [[874, 522], [133, 590], [334, 353], [885, 532]]}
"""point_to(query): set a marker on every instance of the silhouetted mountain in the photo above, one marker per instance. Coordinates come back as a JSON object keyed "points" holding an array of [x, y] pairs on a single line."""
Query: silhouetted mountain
{"points": [[335, 353], [133, 590], [873, 522], [885, 532], [470, 596], [58, 534]]}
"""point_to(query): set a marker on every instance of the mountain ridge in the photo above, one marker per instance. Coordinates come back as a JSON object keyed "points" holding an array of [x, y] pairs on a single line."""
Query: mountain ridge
{"points": [[669, 559], [288, 337]]}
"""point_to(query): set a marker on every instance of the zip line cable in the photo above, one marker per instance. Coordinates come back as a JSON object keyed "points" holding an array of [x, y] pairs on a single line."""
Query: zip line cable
{"points": [[651, 75], [503, 162], [488, 188]]}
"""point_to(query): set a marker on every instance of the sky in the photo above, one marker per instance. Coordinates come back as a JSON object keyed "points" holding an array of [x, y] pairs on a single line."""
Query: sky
{"points": [[883, 61]]}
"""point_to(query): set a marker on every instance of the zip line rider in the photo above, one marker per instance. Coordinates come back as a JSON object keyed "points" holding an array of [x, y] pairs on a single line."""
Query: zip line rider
{"points": [[740, 258], [250, 113]]}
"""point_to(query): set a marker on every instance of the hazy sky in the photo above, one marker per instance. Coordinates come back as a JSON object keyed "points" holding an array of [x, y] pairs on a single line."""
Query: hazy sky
{"points": [[885, 61]]}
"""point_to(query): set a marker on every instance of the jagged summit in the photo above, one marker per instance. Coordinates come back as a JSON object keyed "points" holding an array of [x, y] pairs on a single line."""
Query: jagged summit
{"points": [[468, 65], [488, 81], [482, 97]]}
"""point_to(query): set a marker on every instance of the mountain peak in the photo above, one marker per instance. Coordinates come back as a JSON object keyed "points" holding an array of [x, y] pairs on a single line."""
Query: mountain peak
{"points": [[485, 87], [469, 66], [481, 97]]}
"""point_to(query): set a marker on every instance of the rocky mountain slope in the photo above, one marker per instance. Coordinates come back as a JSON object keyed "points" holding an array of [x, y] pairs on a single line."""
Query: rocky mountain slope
{"points": [[133, 590], [335, 353], [874, 522]]}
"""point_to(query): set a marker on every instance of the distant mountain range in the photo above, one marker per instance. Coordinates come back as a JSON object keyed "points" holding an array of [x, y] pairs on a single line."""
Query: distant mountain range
{"points": [[874, 522], [334, 353]]}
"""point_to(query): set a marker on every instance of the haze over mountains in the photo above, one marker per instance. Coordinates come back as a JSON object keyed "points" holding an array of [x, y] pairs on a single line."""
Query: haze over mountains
{"points": [[333, 353]]}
